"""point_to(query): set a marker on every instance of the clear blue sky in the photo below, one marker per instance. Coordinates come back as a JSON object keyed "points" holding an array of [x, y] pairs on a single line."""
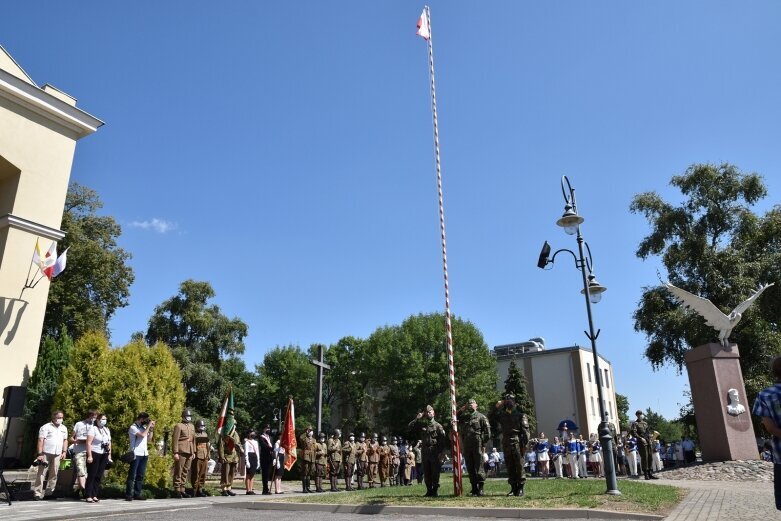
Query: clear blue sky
{"points": [[283, 152]]}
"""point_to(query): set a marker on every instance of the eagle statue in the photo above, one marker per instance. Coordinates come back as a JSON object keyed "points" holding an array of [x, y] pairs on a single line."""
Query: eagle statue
{"points": [[713, 316]]}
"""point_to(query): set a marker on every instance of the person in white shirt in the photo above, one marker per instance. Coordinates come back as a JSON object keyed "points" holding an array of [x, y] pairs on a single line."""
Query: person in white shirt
{"points": [[52, 444], [98, 455], [80, 432], [251, 459], [140, 434]]}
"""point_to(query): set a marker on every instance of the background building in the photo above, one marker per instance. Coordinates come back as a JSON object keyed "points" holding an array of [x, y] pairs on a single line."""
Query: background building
{"points": [[561, 382], [39, 127]]}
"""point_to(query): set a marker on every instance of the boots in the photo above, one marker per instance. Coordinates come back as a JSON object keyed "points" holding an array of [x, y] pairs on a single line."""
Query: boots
{"points": [[473, 492], [512, 490], [360, 482], [334, 484], [428, 491], [319, 484], [434, 491], [480, 489], [519, 490], [309, 485]]}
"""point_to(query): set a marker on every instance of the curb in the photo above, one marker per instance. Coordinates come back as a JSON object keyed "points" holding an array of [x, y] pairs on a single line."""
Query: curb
{"points": [[512, 513]]}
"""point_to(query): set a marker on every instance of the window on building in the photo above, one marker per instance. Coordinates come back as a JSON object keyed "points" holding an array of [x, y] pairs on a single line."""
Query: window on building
{"points": [[588, 370], [593, 411], [607, 380], [610, 409]]}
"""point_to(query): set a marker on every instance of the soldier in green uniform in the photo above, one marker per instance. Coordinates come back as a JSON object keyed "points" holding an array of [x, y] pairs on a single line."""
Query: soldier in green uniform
{"points": [[321, 461], [306, 453], [431, 433], [361, 459], [229, 450], [475, 433], [373, 452], [515, 436], [335, 458], [643, 433], [348, 460], [395, 462]]}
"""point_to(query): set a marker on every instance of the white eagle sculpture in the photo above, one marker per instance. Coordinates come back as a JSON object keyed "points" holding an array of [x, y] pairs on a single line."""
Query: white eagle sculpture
{"points": [[713, 316]]}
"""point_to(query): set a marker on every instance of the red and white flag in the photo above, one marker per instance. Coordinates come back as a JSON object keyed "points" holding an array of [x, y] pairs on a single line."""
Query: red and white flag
{"points": [[288, 436], [424, 29]]}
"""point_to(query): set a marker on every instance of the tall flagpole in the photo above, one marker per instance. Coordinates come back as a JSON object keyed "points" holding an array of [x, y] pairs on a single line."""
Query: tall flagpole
{"points": [[454, 441]]}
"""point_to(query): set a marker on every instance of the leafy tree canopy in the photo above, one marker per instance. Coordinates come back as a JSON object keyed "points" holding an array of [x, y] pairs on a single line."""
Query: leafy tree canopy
{"points": [[97, 280], [669, 431], [203, 340], [713, 245], [622, 408]]}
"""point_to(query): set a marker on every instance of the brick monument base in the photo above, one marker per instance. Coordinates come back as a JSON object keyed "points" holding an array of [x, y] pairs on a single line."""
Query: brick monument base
{"points": [[713, 371]]}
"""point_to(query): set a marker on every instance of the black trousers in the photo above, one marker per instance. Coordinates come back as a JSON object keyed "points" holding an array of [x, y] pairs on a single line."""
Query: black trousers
{"points": [[95, 472]]}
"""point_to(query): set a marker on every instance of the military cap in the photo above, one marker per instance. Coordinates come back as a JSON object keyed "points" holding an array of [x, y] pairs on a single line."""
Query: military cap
{"points": [[350, 435], [638, 412], [429, 408]]}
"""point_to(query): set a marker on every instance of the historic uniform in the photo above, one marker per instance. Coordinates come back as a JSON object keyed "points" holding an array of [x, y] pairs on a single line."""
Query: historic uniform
{"points": [[200, 462], [475, 433], [321, 461], [373, 452], [385, 460], [307, 447], [433, 438], [229, 450], [643, 433], [348, 460], [183, 447], [410, 456], [335, 458], [515, 436], [361, 459], [395, 462]]}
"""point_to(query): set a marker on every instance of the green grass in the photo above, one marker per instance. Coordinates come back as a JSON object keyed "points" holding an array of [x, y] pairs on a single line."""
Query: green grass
{"points": [[552, 493]]}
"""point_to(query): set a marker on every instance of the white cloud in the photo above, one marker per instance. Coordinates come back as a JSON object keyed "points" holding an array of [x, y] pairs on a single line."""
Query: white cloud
{"points": [[155, 224]]}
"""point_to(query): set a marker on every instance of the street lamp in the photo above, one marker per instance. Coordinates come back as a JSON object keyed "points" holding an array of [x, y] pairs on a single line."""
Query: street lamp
{"points": [[278, 420], [592, 290]]}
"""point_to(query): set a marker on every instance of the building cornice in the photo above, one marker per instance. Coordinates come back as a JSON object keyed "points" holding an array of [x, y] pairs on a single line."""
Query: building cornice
{"points": [[40, 230], [35, 99]]}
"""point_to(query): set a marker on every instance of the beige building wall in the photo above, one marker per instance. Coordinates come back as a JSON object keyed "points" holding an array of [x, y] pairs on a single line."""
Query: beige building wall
{"points": [[559, 384], [39, 127]]}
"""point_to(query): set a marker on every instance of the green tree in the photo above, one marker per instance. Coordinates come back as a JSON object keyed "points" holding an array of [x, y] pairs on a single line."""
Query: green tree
{"points": [[516, 383], [668, 430], [622, 408], [712, 244], [349, 382], [202, 339], [52, 359], [97, 281], [121, 383]]}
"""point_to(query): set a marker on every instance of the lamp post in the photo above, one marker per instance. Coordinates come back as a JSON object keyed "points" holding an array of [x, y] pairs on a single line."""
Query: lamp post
{"points": [[592, 291], [278, 420]]}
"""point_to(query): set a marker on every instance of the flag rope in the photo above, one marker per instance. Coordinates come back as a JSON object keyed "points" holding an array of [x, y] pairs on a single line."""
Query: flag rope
{"points": [[454, 442]]}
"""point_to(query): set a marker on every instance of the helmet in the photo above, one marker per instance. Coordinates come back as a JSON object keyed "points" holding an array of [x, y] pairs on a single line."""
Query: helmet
{"points": [[384, 439], [187, 412], [394, 439], [200, 424], [351, 435], [321, 436], [374, 436], [337, 433]]}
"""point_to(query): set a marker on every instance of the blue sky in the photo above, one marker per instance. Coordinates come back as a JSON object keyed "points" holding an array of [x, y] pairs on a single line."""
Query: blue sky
{"points": [[283, 152]]}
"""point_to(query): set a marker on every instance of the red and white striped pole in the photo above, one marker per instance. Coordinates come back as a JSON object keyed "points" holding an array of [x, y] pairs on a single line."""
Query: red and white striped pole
{"points": [[454, 441]]}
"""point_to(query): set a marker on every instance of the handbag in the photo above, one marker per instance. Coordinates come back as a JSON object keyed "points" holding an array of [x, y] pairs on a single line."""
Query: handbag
{"points": [[129, 456]]}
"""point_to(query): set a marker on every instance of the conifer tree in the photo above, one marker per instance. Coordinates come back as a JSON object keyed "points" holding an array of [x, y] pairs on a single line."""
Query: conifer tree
{"points": [[516, 384]]}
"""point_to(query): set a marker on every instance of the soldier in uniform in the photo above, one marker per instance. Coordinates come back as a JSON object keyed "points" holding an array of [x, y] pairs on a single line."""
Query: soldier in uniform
{"points": [[321, 461], [373, 452], [385, 460], [643, 433], [348, 459], [515, 436], [306, 453], [361, 459], [183, 448], [335, 458], [201, 461], [431, 433], [410, 456], [475, 433], [229, 450], [395, 462]]}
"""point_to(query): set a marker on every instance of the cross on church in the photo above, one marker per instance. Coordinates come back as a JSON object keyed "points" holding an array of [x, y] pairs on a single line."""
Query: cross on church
{"points": [[321, 367]]}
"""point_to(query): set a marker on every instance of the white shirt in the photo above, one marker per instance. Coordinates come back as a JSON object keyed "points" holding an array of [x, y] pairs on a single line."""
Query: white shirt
{"points": [[80, 431], [250, 446], [101, 435], [53, 438], [138, 443]]}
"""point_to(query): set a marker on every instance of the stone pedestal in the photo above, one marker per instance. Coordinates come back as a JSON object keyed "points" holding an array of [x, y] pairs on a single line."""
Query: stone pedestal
{"points": [[713, 371]]}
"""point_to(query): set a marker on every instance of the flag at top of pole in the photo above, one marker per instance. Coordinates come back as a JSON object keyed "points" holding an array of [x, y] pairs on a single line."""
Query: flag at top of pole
{"points": [[424, 29]]}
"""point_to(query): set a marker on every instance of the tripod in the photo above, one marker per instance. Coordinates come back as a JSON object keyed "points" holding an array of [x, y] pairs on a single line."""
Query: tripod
{"points": [[3, 482]]}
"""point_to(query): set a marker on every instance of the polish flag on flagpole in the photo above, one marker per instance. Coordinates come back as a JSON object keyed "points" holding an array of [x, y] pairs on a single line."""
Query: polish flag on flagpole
{"points": [[47, 264], [424, 29]]}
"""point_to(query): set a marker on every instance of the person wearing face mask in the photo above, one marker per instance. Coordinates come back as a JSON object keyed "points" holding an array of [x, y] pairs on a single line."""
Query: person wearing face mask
{"points": [[229, 450], [98, 455], [279, 466], [200, 462], [373, 455], [307, 446], [643, 433], [183, 448], [140, 434], [434, 442], [80, 432], [361, 459], [348, 460], [266, 458], [251, 452], [334, 458], [52, 444]]}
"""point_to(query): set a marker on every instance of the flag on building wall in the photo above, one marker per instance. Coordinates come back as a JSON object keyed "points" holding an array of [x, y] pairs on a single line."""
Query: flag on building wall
{"points": [[58, 266], [288, 439]]}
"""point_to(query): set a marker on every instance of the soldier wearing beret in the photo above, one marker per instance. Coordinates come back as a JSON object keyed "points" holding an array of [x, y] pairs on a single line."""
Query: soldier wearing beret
{"points": [[431, 433], [475, 432], [643, 433], [515, 436]]}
